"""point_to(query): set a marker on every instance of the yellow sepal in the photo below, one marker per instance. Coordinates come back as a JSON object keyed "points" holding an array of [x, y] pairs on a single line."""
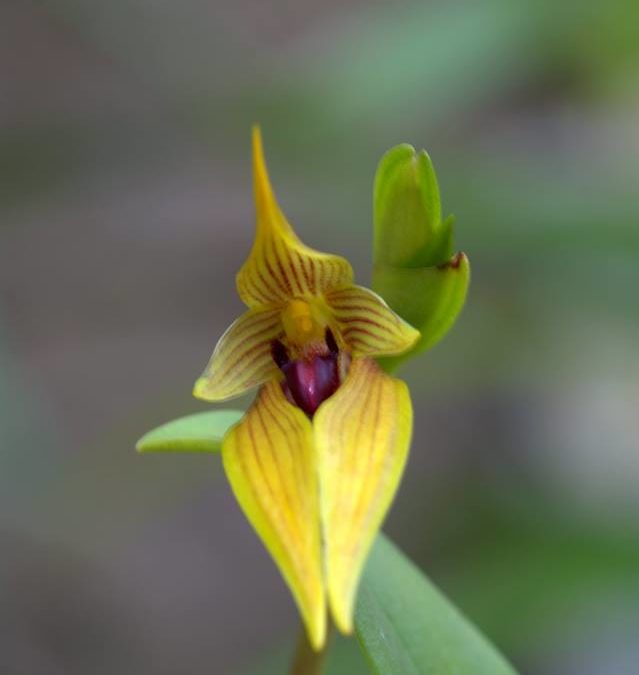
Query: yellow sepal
{"points": [[270, 461], [362, 437], [280, 267]]}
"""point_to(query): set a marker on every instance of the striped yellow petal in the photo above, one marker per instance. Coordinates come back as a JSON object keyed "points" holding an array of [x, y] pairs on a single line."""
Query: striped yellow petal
{"points": [[362, 436], [367, 324], [280, 267], [242, 357], [270, 461]]}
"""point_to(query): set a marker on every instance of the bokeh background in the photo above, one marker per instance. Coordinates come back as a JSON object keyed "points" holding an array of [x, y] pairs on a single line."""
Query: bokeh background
{"points": [[126, 208]]}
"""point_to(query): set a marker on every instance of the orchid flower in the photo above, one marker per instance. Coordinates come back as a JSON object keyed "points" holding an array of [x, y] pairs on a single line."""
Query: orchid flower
{"points": [[317, 458]]}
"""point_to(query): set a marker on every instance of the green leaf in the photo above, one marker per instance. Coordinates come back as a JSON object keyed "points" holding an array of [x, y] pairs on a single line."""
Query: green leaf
{"points": [[429, 298], [405, 626], [201, 432], [409, 231]]}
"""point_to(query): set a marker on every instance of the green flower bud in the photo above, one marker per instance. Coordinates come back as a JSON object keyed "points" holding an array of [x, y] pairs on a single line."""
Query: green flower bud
{"points": [[409, 231], [414, 269]]}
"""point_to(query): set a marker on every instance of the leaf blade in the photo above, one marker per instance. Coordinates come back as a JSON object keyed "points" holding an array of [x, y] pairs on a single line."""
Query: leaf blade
{"points": [[200, 432], [406, 626]]}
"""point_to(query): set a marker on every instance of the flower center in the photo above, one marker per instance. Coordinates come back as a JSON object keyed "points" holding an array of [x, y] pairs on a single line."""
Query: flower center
{"points": [[304, 322], [310, 380]]}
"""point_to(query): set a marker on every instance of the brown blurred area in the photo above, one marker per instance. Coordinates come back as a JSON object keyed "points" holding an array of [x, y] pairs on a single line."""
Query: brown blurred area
{"points": [[125, 211]]}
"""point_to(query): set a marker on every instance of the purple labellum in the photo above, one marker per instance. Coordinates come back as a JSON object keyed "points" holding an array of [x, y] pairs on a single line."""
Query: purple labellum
{"points": [[310, 382]]}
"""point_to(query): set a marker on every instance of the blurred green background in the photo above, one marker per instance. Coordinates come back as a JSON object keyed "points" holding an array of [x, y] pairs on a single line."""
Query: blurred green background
{"points": [[125, 210]]}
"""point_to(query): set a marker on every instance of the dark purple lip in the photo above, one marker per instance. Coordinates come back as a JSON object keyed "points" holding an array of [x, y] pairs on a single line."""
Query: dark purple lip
{"points": [[310, 381]]}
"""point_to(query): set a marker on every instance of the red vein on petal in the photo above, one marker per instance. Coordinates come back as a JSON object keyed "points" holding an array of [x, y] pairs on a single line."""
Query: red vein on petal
{"points": [[303, 260], [346, 419], [256, 322], [275, 290], [258, 291], [268, 255], [367, 309], [284, 491], [389, 457], [329, 273], [277, 259], [311, 262], [276, 514], [260, 373], [243, 350], [288, 257], [357, 320], [276, 409], [361, 412], [358, 503]]}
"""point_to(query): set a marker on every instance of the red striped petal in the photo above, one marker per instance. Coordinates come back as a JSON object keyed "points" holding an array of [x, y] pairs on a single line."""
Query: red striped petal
{"points": [[280, 267], [242, 357], [362, 436], [270, 461], [367, 324]]}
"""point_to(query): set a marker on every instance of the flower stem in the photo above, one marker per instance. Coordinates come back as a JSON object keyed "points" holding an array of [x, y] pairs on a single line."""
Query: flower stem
{"points": [[306, 660]]}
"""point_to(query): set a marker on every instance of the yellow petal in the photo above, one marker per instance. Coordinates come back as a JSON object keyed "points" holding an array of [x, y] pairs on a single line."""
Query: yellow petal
{"points": [[270, 461], [242, 357], [367, 324], [362, 435], [280, 267]]}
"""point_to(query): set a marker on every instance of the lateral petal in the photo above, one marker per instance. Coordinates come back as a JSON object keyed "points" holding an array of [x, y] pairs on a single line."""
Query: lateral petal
{"points": [[270, 461], [367, 324], [362, 436], [280, 267], [242, 357]]}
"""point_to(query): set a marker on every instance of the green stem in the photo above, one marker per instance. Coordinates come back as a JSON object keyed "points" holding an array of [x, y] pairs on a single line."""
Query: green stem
{"points": [[306, 660]]}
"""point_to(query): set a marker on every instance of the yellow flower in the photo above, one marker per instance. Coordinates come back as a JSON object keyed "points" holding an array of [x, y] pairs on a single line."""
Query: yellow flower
{"points": [[317, 458]]}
